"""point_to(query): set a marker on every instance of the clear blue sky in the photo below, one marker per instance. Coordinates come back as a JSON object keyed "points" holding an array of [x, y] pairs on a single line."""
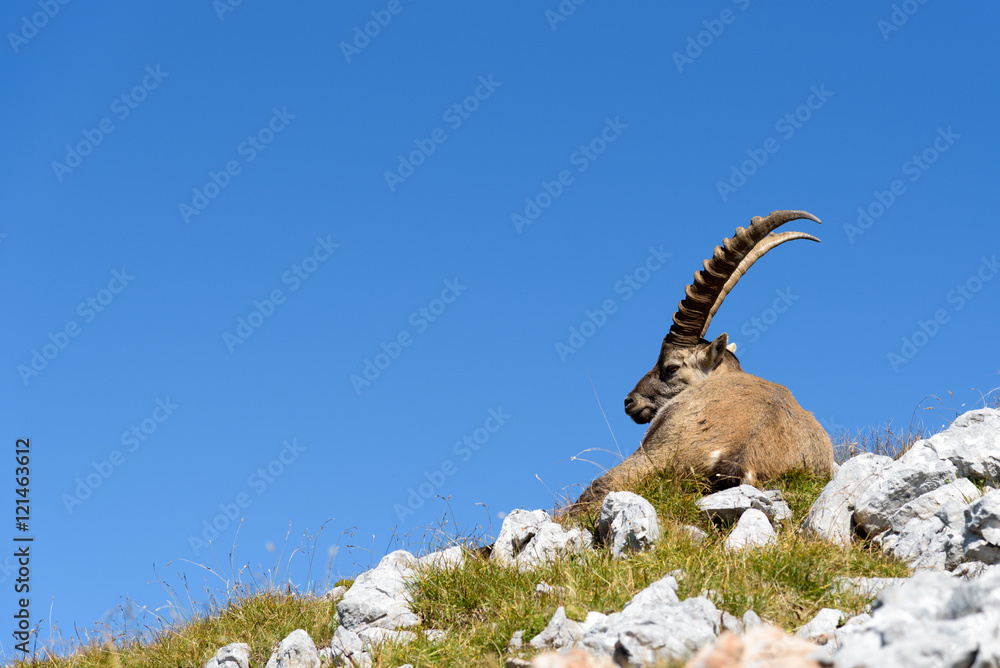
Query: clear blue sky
{"points": [[217, 222]]}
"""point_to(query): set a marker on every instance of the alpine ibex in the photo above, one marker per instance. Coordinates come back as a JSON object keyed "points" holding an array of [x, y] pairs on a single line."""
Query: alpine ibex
{"points": [[708, 417]]}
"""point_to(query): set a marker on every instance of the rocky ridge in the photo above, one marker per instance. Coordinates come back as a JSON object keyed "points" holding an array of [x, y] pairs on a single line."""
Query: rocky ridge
{"points": [[937, 508]]}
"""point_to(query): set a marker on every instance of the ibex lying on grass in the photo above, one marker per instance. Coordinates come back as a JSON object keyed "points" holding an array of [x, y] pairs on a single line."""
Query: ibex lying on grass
{"points": [[708, 417]]}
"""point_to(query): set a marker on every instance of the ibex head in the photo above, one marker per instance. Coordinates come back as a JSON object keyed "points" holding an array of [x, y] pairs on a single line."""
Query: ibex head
{"points": [[676, 368], [686, 358]]}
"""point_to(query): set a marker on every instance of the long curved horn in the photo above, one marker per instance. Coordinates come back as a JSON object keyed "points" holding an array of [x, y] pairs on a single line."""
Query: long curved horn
{"points": [[770, 241], [693, 311]]}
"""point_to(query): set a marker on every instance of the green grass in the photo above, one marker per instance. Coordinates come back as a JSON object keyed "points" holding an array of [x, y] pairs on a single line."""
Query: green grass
{"points": [[260, 619], [482, 605]]}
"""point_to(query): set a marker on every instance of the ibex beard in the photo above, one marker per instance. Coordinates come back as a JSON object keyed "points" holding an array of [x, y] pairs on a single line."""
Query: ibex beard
{"points": [[707, 417]]}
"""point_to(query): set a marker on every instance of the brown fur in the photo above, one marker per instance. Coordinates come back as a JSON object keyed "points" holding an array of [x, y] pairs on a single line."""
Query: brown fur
{"points": [[718, 423]]}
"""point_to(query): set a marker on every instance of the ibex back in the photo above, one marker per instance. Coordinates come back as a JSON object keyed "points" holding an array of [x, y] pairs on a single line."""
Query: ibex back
{"points": [[707, 417]]}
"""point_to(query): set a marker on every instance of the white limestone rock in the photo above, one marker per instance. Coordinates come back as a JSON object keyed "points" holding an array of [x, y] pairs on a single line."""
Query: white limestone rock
{"points": [[830, 517], [821, 628], [753, 530], [969, 448], [347, 649], [376, 635], [696, 534], [379, 597], [751, 619], [654, 627], [544, 588], [561, 632], [773, 504], [983, 528], [932, 619], [731, 623], [529, 538], [727, 506], [972, 444], [297, 650], [927, 505], [869, 587], [453, 557], [915, 473], [336, 593], [628, 523], [233, 655], [936, 542]]}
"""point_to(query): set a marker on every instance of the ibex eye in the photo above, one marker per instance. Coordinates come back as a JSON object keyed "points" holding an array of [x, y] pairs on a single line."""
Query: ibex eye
{"points": [[672, 369]]}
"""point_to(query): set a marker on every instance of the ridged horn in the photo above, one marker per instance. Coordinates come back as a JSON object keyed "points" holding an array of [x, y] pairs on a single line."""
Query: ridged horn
{"points": [[720, 273], [769, 242]]}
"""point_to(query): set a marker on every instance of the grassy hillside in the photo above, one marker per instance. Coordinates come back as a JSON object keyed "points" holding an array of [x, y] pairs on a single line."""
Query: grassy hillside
{"points": [[482, 605]]}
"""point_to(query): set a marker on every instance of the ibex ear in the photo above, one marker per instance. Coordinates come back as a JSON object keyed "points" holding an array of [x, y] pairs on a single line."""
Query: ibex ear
{"points": [[731, 348], [712, 357]]}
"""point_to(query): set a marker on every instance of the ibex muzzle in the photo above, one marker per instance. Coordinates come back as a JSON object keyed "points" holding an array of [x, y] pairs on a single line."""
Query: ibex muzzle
{"points": [[707, 416]]}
